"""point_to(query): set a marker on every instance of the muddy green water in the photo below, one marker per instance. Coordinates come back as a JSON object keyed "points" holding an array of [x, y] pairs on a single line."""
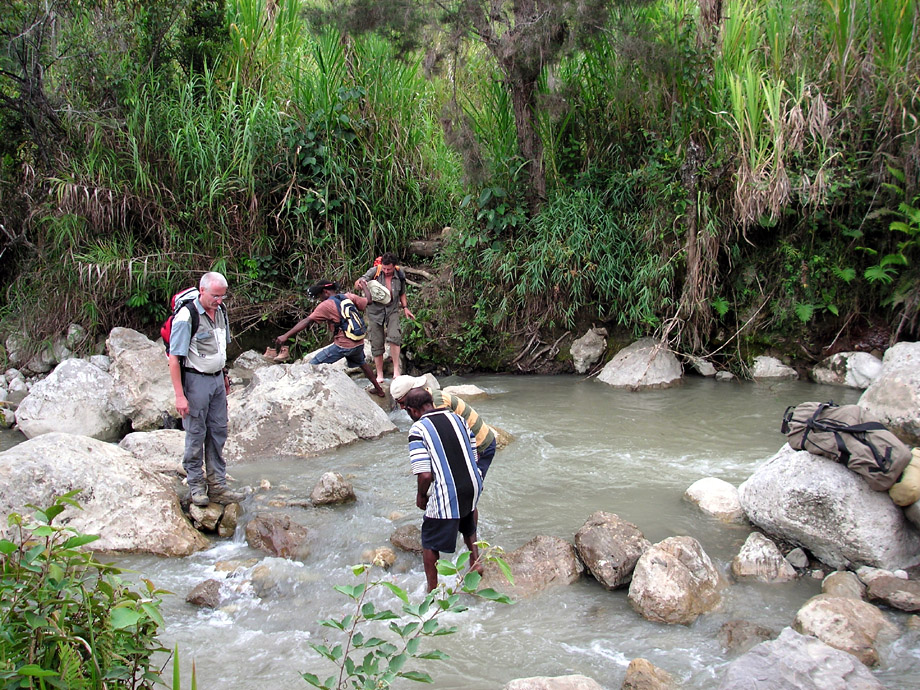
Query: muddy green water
{"points": [[580, 446]]}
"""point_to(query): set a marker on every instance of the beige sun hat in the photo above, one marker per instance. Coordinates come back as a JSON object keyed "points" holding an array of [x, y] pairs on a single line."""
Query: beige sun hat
{"points": [[403, 384], [379, 292]]}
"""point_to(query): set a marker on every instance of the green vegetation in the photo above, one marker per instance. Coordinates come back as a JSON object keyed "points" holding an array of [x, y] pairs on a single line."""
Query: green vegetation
{"points": [[713, 177], [66, 620], [366, 660]]}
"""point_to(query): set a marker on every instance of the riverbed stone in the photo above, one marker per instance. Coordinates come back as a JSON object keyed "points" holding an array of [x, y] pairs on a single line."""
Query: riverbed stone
{"points": [[587, 350], [103, 362], [277, 535], [205, 594], [466, 391], [894, 397], [143, 389], [760, 559], [738, 636], [75, 398], [851, 369], [895, 592], [724, 376], [647, 363], [408, 538], [160, 450], [701, 366], [798, 558], [247, 363], [17, 391], [766, 367], [300, 410], [610, 547], [133, 509], [797, 661], [843, 583], [229, 520], [675, 581], [641, 674], [718, 498], [205, 518], [383, 557], [816, 503], [571, 682], [847, 624], [331, 489], [542, 562]]}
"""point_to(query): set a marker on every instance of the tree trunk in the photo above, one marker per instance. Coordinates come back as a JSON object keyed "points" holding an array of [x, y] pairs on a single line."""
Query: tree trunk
{"points": [[523, 99]]}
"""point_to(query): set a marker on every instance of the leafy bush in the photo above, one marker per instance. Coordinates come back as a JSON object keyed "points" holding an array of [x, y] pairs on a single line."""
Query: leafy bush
{"points": [[67, 620]]}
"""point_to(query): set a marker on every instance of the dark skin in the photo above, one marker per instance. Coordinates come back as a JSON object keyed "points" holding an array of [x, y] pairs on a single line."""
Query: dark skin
{"points": [[430, 556], [303, 323]]}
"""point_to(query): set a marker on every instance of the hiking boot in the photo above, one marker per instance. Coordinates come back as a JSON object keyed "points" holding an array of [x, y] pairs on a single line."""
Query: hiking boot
{"points": [[270, 354], [200, 497], [284, 354], [224, 495]]}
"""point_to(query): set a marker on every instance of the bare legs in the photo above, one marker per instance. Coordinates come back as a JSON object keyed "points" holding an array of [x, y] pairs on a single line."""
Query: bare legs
{"points": [[394, 355], [430, 559], [369, 373]]}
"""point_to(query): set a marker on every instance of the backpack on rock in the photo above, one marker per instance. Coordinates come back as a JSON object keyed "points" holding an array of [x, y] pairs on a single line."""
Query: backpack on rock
{"points": [[849, 435]]}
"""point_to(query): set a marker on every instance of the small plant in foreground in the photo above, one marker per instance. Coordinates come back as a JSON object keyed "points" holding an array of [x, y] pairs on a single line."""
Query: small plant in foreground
{"points": [[373, 662], [67, 620]]}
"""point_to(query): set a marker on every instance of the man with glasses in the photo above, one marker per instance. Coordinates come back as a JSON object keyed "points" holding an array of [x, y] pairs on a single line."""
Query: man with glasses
{"points": [[201, 384]]}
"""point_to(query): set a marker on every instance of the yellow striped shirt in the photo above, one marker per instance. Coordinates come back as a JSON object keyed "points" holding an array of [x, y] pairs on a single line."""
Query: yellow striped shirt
{"points": [[482, 431]]}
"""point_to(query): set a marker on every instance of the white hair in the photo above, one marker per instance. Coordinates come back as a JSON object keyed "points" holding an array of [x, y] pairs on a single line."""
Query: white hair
{"points": [[212, 279]]}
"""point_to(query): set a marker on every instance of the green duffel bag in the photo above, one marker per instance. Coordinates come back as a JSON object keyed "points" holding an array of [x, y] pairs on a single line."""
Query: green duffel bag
{"points": [[849, 435]]}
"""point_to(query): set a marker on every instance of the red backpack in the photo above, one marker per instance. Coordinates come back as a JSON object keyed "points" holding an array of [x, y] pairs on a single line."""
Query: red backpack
{"points": [[179, 300]]}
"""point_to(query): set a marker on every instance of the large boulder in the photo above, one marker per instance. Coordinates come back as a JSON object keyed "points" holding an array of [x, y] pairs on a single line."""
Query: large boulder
{"points": [[246, 364], [332, 489], [675, 581], [572, 682], [130, 507], [277, 535], [301, 410], [845, 623], [588, 349], [716, 497], [143, 389], [609, 547], [798, 661], [641, 674], [540, 563], [820, 505], [647, 363], [766, 367], [76, 398], [852, 369], [894, 397]]}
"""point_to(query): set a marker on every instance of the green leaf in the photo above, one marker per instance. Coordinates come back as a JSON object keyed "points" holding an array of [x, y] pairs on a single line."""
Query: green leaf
{"points": [[124, 617], [398, 661], [463, 559], [433, 654], [471, 581], [446, 568], [7, 547], [804, 311], [35, 671], [358, 569], [412, 645], [417, 676], [492, 595], [397, 590], [505, 568]]}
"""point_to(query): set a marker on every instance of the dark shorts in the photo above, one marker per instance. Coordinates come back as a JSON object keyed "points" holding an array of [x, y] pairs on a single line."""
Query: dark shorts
{"points": [[333, 353], [441, 535], [486, 455]]}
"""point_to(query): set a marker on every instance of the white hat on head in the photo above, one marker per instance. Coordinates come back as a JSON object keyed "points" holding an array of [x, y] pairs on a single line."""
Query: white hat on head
{"points": [[403, 384], [379, 292]]}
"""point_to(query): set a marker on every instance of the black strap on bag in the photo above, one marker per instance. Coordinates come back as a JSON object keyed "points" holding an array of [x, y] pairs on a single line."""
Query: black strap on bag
{"points": [[857, 431]]}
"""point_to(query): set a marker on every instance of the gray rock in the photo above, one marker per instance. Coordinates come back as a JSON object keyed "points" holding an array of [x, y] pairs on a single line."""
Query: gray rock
{"points": [[647, 363], [160, 450], [60, 350], [205, 594], [800, 662], [466, 391], [16, 390], [277, 535], [718, 498], [675, 581], [820, 505], [852, 369], [42, 362], [724, 376], [247, 363], [16, 349], [205, 518], [798, 558], [842, 583], [133, 509], [895, 592], [101, 361], [408, 538], [760, 559], [332, 488], [765, 367], [13, 373], [701, 366], [610, 547], [540, 563], [75, 398], [140, 369], [588, 349], [847, 624], [76, 334], [894, 397], [573, 682], [7, 416], [301, 410]]}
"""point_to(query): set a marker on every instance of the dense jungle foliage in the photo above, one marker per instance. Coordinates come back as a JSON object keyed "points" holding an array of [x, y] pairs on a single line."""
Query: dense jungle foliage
{"points": [[730, 175]]}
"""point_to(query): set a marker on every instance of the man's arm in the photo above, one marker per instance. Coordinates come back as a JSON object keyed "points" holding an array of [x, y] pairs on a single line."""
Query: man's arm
{"points": [[175, 376], [424, 483], [303, 323]]}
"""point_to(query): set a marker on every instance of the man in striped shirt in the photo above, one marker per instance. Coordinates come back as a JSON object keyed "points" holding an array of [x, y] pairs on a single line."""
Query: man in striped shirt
{"points": [[442, 451]]}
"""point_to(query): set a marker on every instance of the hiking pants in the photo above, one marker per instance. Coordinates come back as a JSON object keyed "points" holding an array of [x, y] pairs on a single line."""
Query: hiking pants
{"points": [[205, 430]]}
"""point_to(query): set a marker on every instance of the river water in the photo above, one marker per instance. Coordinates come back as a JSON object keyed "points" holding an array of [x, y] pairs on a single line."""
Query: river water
{"points": [[580, 446]]}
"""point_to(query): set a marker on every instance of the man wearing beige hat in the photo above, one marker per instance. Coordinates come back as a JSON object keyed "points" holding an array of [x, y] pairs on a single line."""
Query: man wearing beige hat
{"points": [[485, 436]]}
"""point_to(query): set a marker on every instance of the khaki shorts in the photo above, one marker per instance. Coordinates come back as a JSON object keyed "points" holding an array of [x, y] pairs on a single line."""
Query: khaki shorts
{"points": [[389, 332]]}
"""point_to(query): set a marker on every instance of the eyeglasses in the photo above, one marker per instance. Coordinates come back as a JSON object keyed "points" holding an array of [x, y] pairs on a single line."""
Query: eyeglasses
{"points": [[220, 298]]}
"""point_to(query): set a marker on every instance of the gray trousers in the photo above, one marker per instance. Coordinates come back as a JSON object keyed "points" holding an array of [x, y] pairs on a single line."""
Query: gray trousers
{"points": [[205, 431]]}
